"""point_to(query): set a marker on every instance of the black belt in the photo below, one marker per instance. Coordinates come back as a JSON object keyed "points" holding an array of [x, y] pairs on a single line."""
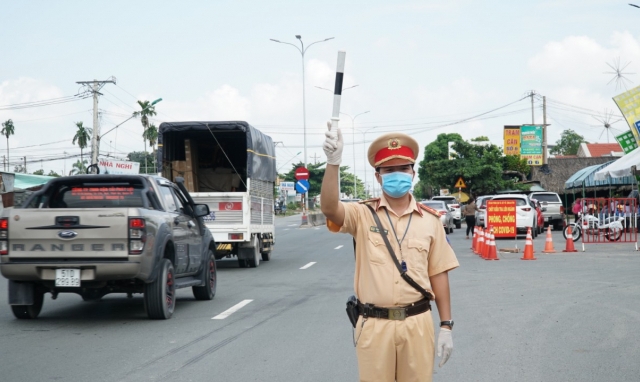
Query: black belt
{"points": [[368, 310]]}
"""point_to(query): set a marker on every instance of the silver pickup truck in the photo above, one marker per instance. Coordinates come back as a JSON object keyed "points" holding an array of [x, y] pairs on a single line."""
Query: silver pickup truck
{"points": [[99, 234]]}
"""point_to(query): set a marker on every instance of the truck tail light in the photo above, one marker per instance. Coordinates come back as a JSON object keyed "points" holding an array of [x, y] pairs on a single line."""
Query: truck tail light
{"points": [[4, 236], [137, 235], [455, 206], [235, 236], [442, 213], [527, 209]]}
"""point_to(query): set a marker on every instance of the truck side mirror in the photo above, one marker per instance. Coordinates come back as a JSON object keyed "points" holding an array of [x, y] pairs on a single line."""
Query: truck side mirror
{"points": [[200, 210]]}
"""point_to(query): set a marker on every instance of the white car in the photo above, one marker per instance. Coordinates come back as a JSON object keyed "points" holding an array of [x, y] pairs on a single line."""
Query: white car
{"points": [[481, 204], [453, 203], [445, 213], [526, 216]]}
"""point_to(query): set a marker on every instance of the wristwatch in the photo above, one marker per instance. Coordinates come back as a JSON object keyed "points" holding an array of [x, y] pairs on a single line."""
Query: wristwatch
{"points": [[447, 323]]}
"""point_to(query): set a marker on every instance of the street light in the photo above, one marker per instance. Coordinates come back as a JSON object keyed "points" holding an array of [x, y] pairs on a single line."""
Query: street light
{"points": [[364, 154], [302, 51], [290, 159], [353, 129]]}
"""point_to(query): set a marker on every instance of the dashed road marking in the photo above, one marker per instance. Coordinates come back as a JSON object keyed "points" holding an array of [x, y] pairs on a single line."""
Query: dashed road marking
{"points": [[231, 310], [338, 247], [308, 265], [292, 225]]}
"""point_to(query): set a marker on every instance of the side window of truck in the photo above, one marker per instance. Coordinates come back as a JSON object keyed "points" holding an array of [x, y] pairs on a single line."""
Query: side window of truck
{"points": [[169, 201]]}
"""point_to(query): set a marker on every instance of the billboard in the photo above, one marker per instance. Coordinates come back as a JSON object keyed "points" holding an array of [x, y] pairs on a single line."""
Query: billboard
{"points": [[501, 216], [627, 142], [511, 135], [629, 104], [531, 144], [116, 167]]}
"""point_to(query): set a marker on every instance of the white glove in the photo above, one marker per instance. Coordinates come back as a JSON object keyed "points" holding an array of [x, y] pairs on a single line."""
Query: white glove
{"points": [[333, 145], [445, 345]]}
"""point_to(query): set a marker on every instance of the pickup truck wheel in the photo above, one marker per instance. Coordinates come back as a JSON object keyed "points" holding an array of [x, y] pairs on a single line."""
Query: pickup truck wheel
{"points": [[242, 263], [208, 290], [29, 311], [160, 295]]}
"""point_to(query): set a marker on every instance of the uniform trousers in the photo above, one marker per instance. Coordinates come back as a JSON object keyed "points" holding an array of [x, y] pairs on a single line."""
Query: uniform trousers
{"points": [[391, 350]]}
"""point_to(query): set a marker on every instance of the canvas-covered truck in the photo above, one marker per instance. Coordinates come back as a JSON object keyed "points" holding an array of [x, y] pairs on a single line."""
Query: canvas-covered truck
{"points": [[99, 234], [231, 167]]}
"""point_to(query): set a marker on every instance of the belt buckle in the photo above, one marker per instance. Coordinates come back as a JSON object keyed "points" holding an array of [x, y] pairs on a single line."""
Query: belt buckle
{"points": [[397, 314]]}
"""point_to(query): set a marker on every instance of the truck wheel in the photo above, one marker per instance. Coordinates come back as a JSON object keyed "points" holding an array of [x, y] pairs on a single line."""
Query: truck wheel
{"points": [[29, 311], [242, 263], [266, 256], [208, 290], [255, 261], [160, 295], [458, 225]]}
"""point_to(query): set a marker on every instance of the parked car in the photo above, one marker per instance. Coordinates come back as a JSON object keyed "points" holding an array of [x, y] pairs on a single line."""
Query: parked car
{"points": [[539, 211], [452, 203], [554, 214], [481, 203], [446, 217], [526, 215]]}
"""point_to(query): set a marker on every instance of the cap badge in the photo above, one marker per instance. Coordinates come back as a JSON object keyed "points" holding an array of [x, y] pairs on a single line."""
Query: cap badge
{"points": [[394, 144]]}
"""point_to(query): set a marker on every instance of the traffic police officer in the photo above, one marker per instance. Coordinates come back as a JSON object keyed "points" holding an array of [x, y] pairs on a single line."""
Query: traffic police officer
{"points": [[396, 347]]}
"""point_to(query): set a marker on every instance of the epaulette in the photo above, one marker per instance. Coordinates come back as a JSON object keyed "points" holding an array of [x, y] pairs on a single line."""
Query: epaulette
{"points": [[377, 200], [429, 210]]}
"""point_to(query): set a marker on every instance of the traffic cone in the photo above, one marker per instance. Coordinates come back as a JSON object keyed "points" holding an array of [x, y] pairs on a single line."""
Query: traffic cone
{"points": [[485, 248], [492, 253], [569, 244], [528, 247], [548, 244], [480, 243], [474, 242]]}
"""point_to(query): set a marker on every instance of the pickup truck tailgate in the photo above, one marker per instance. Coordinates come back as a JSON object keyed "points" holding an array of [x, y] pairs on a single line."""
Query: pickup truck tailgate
{"points": [[69, 233]]}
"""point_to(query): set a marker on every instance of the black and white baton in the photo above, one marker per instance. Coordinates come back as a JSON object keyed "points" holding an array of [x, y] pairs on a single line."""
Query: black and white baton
{"points": [[337, 90]]}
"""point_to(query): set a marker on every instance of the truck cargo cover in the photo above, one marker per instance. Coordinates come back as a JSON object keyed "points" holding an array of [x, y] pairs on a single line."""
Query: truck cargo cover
{"points": [[261, 153]]}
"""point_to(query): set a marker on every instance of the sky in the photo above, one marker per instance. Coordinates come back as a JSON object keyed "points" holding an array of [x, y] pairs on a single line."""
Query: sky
{"points": [[421, 67]]}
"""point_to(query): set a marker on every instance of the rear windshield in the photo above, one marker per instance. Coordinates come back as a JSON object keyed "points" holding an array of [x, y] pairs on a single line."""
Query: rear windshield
{"points": [[435, 205], [90, 196], [519, 202], [484, 201], [551, 198]]}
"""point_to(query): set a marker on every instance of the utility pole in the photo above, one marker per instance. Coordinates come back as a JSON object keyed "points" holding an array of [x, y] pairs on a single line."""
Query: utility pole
{"points": [[544, 130], [24, 169], [315, 158], [4, 162], [94, 87], [533, 119]]}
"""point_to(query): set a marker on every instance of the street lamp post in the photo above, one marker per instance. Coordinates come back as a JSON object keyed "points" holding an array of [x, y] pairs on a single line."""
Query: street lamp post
{"points": [[353, 130], [364, 154], [302, 51]]}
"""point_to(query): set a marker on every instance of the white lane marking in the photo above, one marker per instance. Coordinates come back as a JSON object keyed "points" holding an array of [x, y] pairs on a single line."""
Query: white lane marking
{"points": [[231, 310], [308, 265], [338, 247], [292, 225], [286, 229]]}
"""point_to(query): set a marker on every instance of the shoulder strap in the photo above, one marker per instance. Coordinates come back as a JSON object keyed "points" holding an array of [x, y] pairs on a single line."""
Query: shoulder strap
{"points": [[404, 275]]}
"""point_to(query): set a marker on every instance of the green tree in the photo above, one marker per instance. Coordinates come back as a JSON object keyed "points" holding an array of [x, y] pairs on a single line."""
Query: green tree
{"points": [[53, 173], [38, 172], [140, 157], [80, 167], [8, 129], [481, 166], [147, 110], [568, 144], [151, 135], [82, 137]]}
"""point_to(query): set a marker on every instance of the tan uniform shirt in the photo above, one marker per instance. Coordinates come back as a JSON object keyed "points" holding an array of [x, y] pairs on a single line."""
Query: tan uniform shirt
{"points": [[425, 250]]}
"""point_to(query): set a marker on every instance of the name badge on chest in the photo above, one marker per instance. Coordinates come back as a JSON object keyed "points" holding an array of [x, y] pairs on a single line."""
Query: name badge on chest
{"points": [[375, 229]]}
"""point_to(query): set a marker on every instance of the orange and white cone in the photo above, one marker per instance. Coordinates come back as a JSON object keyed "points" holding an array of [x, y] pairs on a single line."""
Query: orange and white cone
{"points": [[569, 244], [492, 254], [480, 243], [474, 242], [548, 244], [528, 247], [487, 241]]}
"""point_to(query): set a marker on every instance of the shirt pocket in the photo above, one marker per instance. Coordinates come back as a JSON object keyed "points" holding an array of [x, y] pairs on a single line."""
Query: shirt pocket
{"points": [[376, 249], [417, 256]]}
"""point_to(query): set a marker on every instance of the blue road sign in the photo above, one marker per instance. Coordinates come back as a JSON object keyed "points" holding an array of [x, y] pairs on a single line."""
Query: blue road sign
{"points": [[302, 186]]}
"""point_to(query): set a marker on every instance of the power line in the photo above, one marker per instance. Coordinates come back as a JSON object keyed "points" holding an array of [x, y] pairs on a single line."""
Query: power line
{"points": [[47, 102]]}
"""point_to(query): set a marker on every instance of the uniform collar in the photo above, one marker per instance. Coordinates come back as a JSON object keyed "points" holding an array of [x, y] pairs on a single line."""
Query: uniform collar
{"points": [[413, 205]]}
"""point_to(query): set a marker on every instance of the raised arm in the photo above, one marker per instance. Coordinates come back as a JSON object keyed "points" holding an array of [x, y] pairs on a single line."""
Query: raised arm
{"points": [[330, 195]]}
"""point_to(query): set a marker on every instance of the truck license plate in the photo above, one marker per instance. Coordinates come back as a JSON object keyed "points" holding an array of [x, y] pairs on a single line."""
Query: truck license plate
{"points": [[67, 277]]}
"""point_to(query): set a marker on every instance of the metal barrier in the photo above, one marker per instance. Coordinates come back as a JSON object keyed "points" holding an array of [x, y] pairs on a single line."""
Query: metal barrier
{"points": [[607, 220]]}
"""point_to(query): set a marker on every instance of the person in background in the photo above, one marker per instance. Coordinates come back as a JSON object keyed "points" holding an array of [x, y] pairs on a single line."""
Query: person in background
{"points": [[469, 211], [576, 210]]}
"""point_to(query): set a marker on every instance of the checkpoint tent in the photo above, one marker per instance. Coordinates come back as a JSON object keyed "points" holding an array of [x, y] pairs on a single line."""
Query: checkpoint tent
{"points": [[587, 178], [622, 167]]}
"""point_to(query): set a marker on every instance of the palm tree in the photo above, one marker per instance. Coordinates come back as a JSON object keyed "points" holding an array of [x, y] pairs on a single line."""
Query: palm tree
{"points": [[148, 110], [83, 136], [7, 130], [80, 167], [151, 135]]}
